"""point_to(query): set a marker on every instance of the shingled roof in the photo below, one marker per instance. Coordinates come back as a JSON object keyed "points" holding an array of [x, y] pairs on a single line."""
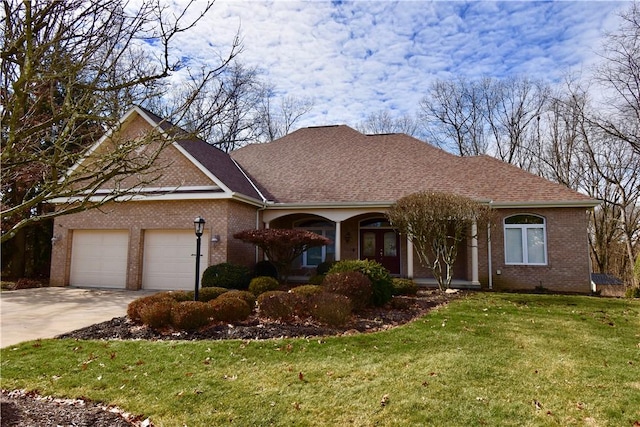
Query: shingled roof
{"points": [[213, 159], [337, 164]]}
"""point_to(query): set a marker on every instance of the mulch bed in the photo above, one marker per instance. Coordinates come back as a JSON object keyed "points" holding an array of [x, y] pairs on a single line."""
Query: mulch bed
{"points": [[20, 408]]}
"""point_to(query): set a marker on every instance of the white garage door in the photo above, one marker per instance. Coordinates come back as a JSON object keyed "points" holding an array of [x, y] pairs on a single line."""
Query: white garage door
{"points": [[99, 258], [169, 259]]}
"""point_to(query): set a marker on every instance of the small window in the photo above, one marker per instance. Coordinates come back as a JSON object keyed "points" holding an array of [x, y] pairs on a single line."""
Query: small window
{"points": [[314, 256], [525, 240]]}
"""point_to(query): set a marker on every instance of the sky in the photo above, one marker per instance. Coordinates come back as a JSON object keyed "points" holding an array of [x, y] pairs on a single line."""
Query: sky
{"points": [[357, 58]]}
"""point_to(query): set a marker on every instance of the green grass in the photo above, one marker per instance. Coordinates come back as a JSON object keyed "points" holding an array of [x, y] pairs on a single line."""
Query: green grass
{"points": [[483, 360]]}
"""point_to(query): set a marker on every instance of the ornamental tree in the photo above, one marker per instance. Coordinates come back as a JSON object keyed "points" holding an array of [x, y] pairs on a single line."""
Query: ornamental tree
{"points": [[282, 246], [436, 223]]}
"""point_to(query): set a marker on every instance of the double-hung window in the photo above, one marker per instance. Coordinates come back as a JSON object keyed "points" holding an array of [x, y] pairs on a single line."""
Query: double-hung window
{"points": [[525, 240]]}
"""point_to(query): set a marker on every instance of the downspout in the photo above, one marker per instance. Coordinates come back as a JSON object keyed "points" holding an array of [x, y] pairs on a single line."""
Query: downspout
{"points": [[489, 264]]}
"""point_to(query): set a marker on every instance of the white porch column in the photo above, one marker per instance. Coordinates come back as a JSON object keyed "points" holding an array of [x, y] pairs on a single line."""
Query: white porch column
{"points": [[338, 240], [474, 254], [409, 258]]}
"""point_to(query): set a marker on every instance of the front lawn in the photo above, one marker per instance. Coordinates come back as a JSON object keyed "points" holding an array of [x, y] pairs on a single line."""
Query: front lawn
{"points": [[488, 359]]}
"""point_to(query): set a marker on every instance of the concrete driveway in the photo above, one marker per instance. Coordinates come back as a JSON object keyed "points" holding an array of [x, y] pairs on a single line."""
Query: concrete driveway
{"points": [[29, 314]]}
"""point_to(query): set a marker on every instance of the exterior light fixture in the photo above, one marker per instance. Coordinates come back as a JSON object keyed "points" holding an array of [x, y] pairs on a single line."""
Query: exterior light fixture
{"points": [[198, 225]]}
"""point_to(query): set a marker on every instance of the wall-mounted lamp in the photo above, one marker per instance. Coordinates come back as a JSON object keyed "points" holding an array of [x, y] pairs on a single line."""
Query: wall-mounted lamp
{"points": [[55, 238], [215, 238], [347, 237]]}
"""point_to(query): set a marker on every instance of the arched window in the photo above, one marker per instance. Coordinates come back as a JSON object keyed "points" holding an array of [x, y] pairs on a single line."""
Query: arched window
{"points": [[525, 240], [314, 256]]}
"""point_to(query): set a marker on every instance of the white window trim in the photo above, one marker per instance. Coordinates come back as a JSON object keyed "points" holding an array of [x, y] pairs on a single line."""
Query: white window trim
{"points": [[523, 230], [323, 248]]}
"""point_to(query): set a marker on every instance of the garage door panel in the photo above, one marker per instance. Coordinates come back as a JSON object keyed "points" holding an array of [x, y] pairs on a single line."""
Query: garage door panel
{"points": [[99, 258], [169, 259]]}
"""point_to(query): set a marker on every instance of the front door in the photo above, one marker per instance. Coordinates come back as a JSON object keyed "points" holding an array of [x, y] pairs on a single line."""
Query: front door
{"points": [[381, 245]]}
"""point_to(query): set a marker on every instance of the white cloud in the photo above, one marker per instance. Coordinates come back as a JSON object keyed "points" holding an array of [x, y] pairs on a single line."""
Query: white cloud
{"points": [[356, 58]]}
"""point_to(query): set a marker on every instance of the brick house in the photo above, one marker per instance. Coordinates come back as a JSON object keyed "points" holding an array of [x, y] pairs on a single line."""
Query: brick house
{"points": [[336, 182]]}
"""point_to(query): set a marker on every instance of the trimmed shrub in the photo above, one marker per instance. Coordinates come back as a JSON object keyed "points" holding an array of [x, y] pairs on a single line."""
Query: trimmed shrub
{"points": [[307, 290], [278, 305], [404, 287], [324, 267], [179, 295], [134, 308], [316, 280], [157, 314], [304, 295], [226, 275], [332, 309], [380, 278], [190, 315], [266, 269], [229, 309], [263, 284], [246, 296], [353, 285], [208, 294]]}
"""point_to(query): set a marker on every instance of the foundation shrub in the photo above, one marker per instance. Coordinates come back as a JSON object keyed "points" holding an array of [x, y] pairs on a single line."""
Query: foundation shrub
{"points": [[229, 309], [134, 308], [278, 305], [190, 315], [324, 267], [404, 287], [263, 284], [265, 268], [226, 275], [381, 281], [316, 280], [157, 314], [352, 284], [208, 294], [331, 309], [304, 295], [246, 296], [179, 295]]}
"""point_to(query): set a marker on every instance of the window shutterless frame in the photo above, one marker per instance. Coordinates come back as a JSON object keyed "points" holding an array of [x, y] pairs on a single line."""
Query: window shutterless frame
{"points": [[525, 240]]}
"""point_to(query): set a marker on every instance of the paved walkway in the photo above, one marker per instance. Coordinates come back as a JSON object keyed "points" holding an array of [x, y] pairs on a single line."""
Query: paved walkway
{"points": [[29, 314]]}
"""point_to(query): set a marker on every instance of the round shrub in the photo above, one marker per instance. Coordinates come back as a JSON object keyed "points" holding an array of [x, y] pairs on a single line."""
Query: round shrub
{"points": [[404, 287], [179, 295], [316, 280], [246, 296], [324, 267], [208, 294], [226, 275], [332, 309], [278, 305], [265, 268], [190, 315], [381, 281], [263, 284], [229, 309], [134, 308], [157, 314], [307, 290], [304, 295], [352, 284]]}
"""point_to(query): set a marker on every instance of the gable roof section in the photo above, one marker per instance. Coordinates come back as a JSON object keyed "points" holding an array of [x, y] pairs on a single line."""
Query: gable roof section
{"points": [[339, 165], [214, 163]]}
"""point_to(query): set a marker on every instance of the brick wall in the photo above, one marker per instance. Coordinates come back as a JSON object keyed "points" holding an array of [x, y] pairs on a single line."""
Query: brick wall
{"points": [[224, 217], [567, 269]]}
